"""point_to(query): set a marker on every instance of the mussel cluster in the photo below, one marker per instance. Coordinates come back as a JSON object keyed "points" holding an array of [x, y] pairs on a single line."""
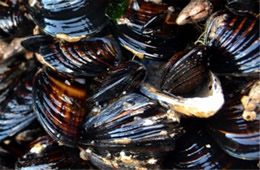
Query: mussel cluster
{"points": [[129, 84]]}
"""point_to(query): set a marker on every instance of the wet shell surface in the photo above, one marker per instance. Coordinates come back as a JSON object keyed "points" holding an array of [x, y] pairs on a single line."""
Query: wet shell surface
{"points": [[121, 80], [120, 84], [200, 151], [187, 82], [59, 103], [238, 137], [44, 153], [186, 72], [13, 23], [133, 130], [69, 20], [236, 40], [16, 110], [145, 31], [89, 57]]}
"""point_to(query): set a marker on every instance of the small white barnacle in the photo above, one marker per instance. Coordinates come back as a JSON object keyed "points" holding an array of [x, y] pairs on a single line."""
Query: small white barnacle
{"points": [[148, 122], [38, 148], [152, 161], [123, 141], [164, 133]]}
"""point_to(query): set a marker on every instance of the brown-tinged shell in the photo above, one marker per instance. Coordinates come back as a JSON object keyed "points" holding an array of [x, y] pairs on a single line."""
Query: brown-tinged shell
{"points": [[145, 30], [60, 102], [235, 41]]}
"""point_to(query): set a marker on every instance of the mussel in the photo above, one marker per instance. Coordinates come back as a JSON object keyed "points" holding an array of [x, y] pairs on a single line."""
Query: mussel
{"points": [[60, 105], [14, 23], [16, 96], [88, 57], [146, 29], [199, 10], [70, 20], [240, 7], [235, 40], [238, 137], [197, 150], [132, 132], [186, 71], [131, 90], [44, 153], [123, 79], [188, 86]]}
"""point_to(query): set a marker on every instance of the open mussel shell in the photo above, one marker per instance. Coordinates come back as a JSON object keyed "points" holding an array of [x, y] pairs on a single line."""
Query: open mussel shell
{"points": [[235, 135], [123, 79], [88, 57], [69, 20], [197, 150], [13, 23], [235, 40], [45, 153], [16, 110], [188, 86], [186, 71], [59, 102], [205, 105], [144, 30], [133, 130]]}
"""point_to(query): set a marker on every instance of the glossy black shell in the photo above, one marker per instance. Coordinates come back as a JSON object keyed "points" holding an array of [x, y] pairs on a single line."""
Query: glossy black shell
{"points": [[235, 44], [69, 19]]}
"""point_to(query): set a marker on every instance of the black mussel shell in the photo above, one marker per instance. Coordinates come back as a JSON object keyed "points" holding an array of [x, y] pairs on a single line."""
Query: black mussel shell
{"points": [[238, 137], [88, 57], [132, 120], [132, 127], [197, 150], [60, 102], [44, 153], [145, 31], [235, 42], [241, 7], [13, 23], [69, 20], [186, 71], [121, 80], [16, 110], [11, 72]]}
